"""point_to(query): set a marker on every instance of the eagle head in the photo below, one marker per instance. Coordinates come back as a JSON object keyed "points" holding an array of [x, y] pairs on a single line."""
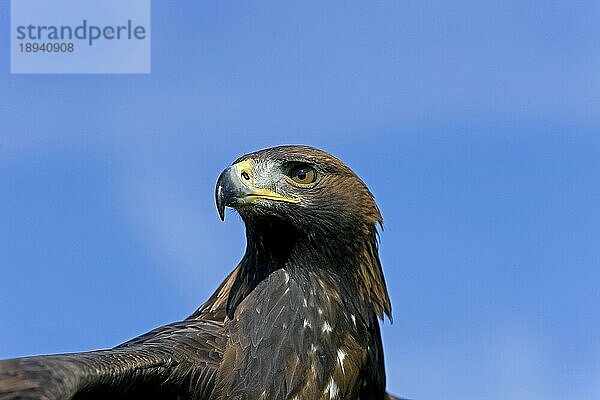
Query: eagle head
{"points": [[302, 185]]}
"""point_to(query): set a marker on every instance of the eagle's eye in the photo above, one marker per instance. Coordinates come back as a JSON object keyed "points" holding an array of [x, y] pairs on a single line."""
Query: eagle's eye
{"points": [[303, 174]]}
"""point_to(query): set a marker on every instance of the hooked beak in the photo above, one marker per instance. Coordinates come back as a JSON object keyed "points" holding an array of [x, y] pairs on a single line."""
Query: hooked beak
{"points": [[229, 189], [235, 187]]}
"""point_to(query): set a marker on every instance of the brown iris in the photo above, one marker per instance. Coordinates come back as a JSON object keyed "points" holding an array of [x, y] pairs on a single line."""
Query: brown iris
{"points": [[303, 174]]}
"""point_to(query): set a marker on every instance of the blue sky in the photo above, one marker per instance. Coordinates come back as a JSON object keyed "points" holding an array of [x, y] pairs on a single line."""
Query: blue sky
{"points": [[475, 124]]}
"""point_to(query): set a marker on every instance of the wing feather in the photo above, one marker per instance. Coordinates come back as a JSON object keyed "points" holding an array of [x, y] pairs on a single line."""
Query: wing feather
{"points": [[172, 361]]}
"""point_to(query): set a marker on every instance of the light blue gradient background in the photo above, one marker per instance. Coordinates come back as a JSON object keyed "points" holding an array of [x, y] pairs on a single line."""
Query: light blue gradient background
{"points": [[475, 124]]}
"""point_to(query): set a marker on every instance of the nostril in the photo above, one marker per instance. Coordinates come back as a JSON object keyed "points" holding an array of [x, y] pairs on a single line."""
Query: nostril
{"points": [[246, 176]]}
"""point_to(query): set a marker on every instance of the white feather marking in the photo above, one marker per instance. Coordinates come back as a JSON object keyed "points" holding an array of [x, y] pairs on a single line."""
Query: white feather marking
{"points": [[306, 323], [332, 388], [326, 327], [353, 319], [341, 356], [319, 310]]}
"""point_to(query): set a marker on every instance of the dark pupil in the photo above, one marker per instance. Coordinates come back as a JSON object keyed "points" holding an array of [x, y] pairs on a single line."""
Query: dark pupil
{"points": [[301, 174]]}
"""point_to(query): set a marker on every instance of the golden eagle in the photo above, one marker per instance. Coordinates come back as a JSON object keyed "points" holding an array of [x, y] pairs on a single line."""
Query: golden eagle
{"points": [[296, 319]]}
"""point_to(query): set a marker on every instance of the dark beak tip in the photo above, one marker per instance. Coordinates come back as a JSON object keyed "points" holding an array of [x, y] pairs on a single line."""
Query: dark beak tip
{"points": [[220, 201]]}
